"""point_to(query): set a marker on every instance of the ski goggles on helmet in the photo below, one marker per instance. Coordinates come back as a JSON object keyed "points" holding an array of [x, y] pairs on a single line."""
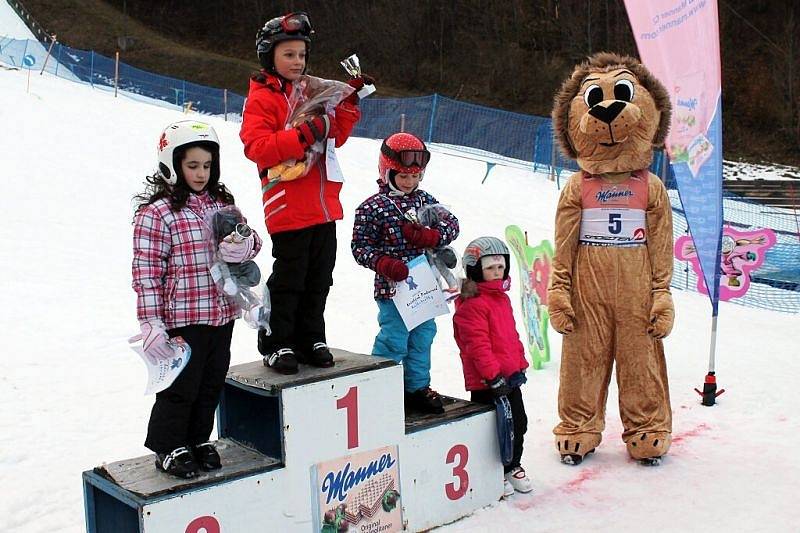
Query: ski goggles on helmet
{"points": [[293, 23], [407, 158]]}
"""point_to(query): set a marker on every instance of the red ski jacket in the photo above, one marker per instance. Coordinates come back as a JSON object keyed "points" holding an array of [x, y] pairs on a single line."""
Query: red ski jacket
{"points": [[487, 336], [306, 201]]}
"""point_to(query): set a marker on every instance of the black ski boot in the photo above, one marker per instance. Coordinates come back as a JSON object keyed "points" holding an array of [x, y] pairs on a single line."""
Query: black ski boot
{"points": [[320, 356], [424, 400], [282, 361], [179, 462], [207, 456]]}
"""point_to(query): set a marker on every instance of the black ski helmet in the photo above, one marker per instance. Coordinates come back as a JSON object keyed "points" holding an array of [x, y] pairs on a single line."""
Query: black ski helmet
{"points": [[291, 27]]}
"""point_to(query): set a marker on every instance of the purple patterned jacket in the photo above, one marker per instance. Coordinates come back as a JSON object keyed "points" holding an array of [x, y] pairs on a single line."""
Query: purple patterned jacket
{"points": [[376, 232]]}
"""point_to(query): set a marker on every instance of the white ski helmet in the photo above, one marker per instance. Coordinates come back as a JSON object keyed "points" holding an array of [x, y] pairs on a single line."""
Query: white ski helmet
{"points": [[182, 134], [480, 248]]}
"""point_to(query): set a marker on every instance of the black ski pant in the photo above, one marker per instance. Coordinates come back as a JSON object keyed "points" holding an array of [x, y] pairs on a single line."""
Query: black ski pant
{"points": [[520, 420], [302, 275], [184, 412]]}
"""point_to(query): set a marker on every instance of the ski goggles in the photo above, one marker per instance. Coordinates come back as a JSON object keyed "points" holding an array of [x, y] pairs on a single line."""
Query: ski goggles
{"points": [[290, 24], [407, 158]]}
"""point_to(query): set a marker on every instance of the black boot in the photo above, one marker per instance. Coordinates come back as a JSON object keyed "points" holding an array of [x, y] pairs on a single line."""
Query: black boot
{"points": [[424, 400], [263, 343], [282, 361], [207, 456], [320, 356], [179, 462]]}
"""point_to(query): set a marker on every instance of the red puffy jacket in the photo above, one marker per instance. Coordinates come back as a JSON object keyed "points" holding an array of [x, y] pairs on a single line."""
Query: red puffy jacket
{"points": [[306, 201], [487, 336]]}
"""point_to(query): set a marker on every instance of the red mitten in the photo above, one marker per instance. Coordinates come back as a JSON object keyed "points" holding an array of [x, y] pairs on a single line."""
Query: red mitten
{"points": [[333, 131], [421, 236], [314, 130], [357, 84], [391, 268]]}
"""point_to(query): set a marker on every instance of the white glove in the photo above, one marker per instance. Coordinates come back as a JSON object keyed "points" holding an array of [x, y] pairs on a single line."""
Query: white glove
{"points": [[155, 343], [232, 251]]}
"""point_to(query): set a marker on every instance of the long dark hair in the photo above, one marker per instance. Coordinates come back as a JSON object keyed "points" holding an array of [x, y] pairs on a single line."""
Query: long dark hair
{"points": [[178, 194]]}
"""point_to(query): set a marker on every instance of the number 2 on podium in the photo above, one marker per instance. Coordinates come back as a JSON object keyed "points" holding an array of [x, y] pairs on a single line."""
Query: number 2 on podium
{"points": [[207, 524], [349, 402]]}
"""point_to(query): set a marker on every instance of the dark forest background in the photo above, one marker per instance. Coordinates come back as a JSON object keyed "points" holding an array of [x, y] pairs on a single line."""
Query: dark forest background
{"points": [[510, 54]]}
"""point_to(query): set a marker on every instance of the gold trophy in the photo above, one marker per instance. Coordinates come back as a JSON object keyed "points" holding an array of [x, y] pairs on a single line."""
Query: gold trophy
{"points": [[353, 68]]}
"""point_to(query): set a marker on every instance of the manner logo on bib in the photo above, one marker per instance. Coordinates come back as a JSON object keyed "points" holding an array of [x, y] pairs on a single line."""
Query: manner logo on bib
{"points": [[613, 213]]}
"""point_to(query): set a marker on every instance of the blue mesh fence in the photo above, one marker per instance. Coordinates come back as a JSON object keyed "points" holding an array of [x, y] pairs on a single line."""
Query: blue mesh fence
{"points": [[776, 283], [499, 135], [98, 70]]}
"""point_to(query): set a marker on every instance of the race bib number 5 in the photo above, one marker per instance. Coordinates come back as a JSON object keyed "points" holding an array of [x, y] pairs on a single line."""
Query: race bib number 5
{"points": [[618, 227]]}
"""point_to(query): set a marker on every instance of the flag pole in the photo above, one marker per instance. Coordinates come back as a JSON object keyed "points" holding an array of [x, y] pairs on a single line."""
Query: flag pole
{"points": [[710, 392]]}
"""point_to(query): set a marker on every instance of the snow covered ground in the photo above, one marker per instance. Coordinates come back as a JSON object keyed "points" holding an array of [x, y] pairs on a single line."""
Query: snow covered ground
{"points": [[736, 170], [71, 390]]}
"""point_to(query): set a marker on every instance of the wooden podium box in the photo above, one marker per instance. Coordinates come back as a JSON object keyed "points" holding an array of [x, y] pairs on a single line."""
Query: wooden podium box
{"points": [[275, 429]]}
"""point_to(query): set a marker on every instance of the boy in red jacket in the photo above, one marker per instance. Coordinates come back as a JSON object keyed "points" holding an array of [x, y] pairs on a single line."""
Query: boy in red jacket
{"points": [[299, 214], [491, 353]]}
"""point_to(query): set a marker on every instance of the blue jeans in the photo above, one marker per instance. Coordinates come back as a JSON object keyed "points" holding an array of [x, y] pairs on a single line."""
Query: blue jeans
{"points": [[410, 348]]}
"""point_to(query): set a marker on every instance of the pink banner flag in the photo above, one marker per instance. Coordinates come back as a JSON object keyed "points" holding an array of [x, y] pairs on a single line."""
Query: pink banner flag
{"points": [[678, 41]]}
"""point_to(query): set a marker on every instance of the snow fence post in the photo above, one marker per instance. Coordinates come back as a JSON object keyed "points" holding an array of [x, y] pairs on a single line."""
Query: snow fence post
{"points": [[434, 105], [116, 73]]}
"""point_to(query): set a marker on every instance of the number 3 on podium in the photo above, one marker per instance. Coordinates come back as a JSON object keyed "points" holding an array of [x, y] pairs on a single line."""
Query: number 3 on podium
{"points": [[459, 471]]}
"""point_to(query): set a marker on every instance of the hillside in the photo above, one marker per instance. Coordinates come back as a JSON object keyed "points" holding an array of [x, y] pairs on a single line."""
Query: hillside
{"points": [[511, 55]]}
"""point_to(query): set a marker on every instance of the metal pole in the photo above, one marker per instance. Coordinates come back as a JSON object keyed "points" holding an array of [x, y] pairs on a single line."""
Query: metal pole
{"points": [[58, 62], [225, 103], [713, 348], [433, 117], [52, 43], [116, 73], [402, 122]]}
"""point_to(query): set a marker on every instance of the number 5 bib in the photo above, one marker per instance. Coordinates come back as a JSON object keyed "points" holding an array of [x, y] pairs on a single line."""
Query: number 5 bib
{"points": [[613, 214]]}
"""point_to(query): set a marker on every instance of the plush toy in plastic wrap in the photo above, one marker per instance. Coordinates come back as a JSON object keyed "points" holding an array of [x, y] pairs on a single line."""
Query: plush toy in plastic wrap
{"points": [[236, 280], [442, 258], [311, 97]]}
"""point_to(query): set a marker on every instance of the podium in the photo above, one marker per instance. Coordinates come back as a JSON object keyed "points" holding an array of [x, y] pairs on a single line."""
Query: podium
{"points": [[281, 435]]}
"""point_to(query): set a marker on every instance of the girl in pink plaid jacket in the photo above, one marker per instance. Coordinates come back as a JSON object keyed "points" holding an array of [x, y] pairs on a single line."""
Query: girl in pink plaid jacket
{"points": [[176, 295]]}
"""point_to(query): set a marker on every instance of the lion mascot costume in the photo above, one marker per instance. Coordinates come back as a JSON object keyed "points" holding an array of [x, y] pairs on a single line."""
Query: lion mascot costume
{"points": [[609, 292]]}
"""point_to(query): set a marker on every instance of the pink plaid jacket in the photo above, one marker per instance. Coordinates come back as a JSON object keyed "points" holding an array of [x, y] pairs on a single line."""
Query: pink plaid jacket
{"points": [[170, 265]]}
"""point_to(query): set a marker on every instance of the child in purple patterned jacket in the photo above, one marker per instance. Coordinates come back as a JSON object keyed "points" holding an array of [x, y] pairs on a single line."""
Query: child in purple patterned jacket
{"points": [[386, 235], [176, 295]]}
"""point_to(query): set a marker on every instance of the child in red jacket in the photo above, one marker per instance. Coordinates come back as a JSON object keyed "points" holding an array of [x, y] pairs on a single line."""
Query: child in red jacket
{"points": [[300, 215], [491, 353]]}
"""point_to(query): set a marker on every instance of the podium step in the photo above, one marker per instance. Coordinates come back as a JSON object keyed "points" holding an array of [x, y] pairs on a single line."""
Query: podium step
{"points": [[140, 476], [454, 409], [258, 376]]}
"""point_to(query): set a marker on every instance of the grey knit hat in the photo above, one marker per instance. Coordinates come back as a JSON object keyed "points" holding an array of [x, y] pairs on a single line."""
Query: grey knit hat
{"points": [[483, 246]]}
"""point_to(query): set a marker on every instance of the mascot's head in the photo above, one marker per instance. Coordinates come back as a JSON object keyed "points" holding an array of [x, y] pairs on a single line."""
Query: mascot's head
{"points": [[610, 114]]}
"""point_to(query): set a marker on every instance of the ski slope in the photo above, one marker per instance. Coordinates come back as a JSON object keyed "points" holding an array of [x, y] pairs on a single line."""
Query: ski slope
{"points": [[71, 390]]}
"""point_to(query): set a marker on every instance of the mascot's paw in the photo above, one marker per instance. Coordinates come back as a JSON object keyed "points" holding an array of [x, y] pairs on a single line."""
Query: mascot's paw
{"points": [[562, 316], [662, 315], [648, 448], [562, 322], [573, 448]]}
